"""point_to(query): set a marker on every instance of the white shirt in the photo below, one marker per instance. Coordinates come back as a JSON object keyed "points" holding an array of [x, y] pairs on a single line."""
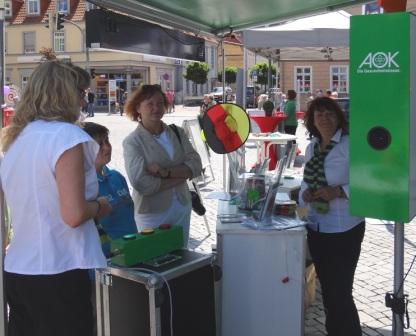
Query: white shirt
{"points": [[42, 242], [336, 166], [177, 213]]}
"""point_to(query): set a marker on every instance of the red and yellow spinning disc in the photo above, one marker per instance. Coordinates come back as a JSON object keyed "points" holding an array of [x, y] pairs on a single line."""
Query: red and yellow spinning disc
{"points": [[226, 127]]}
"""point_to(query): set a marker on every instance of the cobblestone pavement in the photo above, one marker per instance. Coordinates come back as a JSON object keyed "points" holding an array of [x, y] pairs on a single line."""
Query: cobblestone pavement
{"points": [[374, 275]]}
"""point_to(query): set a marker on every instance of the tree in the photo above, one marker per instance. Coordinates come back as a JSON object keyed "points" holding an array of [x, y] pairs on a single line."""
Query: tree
{"points": [[230, 75], [197, 72], [262, 70]]}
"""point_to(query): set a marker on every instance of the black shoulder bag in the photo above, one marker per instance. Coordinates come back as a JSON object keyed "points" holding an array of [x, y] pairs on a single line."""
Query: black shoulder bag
{"points": [[197, 205]]}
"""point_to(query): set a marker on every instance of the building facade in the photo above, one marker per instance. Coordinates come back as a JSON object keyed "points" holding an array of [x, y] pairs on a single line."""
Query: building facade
{"points": [[26, 33]]}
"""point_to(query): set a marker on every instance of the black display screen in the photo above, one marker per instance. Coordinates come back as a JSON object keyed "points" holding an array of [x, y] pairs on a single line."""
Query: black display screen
{"points": [[109, 30]]}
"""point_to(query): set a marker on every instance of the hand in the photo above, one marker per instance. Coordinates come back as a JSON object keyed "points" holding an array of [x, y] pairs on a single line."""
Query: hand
{"points": [[105, 207], [308, 195], [327, 193], [153, 169]]}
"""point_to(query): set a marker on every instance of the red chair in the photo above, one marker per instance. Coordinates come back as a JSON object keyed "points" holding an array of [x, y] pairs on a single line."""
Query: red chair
{"points": [[267, 125]]}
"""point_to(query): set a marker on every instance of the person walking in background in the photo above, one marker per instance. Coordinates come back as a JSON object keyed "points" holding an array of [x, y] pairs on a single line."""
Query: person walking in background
{"points": [[91, 100], [123, 99], [207, 102], [170, 97], [84, 104], [49, 181], [291, 123], [158, 163], [260, 101], [112, 186], [334, 236]]}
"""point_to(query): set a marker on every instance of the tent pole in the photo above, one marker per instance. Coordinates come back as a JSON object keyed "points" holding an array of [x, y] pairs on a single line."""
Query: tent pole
{"points": [[224, 157], [398, 326], [3, 238], [269, 77], [243, 159]]}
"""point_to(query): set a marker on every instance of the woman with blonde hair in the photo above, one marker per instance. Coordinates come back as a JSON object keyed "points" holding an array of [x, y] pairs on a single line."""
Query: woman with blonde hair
{"points": [[49, 180], [158, 163]]}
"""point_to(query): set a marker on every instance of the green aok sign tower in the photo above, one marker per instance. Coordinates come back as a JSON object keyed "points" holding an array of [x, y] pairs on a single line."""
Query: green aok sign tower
{"points": [[383, 116]]}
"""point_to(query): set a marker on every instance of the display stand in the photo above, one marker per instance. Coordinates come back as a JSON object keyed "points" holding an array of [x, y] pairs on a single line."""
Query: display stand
{"points": [[193, 130], [262, 287]]}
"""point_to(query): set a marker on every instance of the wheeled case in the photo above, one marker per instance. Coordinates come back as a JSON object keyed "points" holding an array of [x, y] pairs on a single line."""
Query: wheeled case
{"points": [[132, 301]]}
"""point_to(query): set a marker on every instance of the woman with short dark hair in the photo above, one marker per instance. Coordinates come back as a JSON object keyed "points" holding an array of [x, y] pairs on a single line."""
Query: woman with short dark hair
{"points": [[334, 236], [159, 159]]}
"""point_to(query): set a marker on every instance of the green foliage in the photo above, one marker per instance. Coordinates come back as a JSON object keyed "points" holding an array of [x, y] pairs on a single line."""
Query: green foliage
{"points": [[197, 72], [262, 70], [230, 75]]}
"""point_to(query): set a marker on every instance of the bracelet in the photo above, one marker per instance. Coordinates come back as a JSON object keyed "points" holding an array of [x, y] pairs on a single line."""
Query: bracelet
{"points": [[98, 208]]}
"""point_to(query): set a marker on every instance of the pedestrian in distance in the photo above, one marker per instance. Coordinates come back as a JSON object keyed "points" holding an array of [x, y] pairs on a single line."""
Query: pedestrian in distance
{"points": [[170, 97], [50, 185], [158, 163], [91, 101], [334, 236], [207, 102], [123, 101], [291, 122]]}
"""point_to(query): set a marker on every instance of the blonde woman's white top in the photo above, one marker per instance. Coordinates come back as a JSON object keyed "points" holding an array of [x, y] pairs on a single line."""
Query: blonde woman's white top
{"points": [[42, 242]]}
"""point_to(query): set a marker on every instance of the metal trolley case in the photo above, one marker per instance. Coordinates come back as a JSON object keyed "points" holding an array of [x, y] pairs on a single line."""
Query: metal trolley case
{"points": [[134, 302]]}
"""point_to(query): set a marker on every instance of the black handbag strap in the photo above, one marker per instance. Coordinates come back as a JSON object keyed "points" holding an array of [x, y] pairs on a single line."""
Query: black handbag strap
{"points": [[175, 129]]}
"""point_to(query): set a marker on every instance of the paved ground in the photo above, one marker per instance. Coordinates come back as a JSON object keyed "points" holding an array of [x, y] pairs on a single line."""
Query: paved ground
{"points": [[374, 276]]}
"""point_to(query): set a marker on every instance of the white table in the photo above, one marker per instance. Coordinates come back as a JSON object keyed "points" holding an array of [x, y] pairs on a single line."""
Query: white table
{"points": [[256, 299], [275, 138], [255, 112]]}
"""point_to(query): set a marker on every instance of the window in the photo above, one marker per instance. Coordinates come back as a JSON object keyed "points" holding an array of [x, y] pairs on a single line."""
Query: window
{"points": [[8, 8], [32, 7], [8, 77], [339, 78], [59, 41], [303, 79], [212, 58], [29, 42], [63, 6], [23, 81]]}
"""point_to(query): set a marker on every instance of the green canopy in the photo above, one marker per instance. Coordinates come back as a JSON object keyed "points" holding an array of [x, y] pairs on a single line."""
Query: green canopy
{"points": [[216, 17]]}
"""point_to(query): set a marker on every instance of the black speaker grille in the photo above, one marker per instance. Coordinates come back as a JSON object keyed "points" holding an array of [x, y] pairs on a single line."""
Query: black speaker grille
{"points": [[379, 138]]}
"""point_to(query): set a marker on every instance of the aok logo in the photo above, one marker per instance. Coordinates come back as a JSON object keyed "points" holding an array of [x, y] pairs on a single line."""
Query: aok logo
{"points": [[380, 62]]}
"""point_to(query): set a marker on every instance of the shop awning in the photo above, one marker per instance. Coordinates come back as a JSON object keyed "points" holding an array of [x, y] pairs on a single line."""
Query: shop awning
{"points": [[217, 17]]}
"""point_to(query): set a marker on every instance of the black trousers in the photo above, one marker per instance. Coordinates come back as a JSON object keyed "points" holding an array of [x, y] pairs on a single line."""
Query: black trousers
{"points": [[290, 130], [49, 305], [335, 256]]}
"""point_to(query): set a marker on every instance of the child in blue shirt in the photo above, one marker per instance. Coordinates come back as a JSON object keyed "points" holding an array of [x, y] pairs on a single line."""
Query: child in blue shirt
{"points": [[113, 186]]}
